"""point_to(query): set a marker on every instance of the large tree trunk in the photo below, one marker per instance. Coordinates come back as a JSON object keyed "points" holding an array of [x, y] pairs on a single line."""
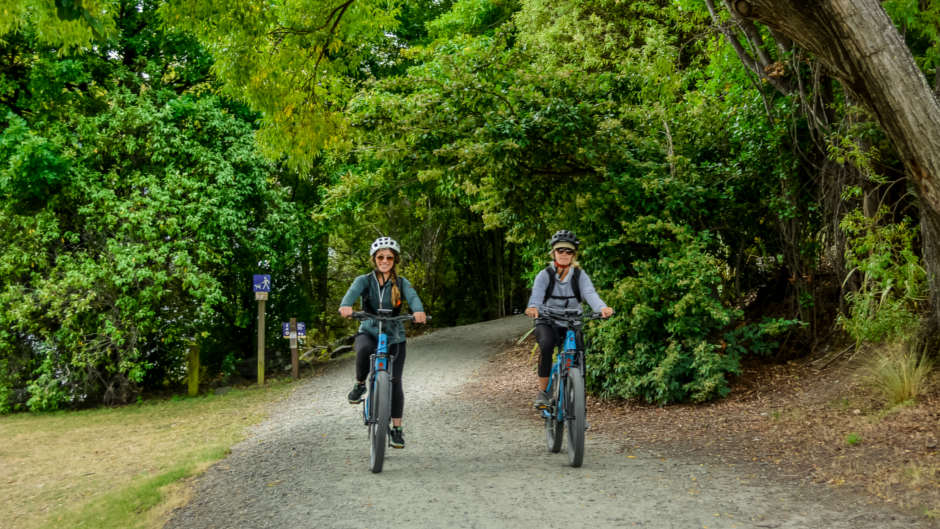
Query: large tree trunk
{"points": [[859, 44]]}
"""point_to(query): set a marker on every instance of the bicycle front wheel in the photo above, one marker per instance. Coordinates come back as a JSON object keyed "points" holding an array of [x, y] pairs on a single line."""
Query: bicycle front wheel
{"points": [[554, 426], [382, 410], [574, 416]]}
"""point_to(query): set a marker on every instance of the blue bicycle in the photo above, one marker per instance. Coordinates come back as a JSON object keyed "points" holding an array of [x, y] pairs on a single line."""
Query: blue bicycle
{"points": [[377, 407], [566, 386]]}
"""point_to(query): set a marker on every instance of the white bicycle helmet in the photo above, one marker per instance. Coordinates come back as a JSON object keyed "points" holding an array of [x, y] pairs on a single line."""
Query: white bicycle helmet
{"points": [[384, 242]]}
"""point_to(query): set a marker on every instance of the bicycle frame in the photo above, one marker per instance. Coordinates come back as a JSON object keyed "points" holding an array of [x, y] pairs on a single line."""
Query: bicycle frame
{"points": [[569, 357]]}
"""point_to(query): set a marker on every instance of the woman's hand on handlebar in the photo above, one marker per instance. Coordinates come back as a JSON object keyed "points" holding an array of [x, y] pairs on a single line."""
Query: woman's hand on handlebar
{"points": [[607, 312], [532, 312], [345, 311], [420, 317]]}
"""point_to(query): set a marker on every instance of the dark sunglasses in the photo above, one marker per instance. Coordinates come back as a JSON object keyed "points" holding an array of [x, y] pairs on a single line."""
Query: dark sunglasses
{"points": [[564, 250], [384, 257]]}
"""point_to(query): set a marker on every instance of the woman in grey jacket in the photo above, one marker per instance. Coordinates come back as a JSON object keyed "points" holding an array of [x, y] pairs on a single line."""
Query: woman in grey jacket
{"points": [[563, 284], [382, 289]]}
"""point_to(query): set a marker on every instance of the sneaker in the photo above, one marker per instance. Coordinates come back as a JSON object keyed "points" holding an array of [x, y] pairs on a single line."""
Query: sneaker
{"points": [[396, 439], [542, 401], [355, 396]]}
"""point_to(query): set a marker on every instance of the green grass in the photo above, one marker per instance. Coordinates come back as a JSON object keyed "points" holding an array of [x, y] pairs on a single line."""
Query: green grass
{"points": [[118, 467]]}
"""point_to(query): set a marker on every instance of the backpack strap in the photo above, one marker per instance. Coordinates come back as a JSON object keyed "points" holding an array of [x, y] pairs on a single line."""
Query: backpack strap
{"points": [[575, 285]]}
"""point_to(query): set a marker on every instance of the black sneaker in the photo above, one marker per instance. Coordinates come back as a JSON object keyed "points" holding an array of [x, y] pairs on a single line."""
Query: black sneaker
{"points": [[396, 438], [542, 401], [355, 396]]}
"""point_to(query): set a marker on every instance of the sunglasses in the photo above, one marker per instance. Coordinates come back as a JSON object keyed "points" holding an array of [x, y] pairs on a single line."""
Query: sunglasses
{"points": [[564, 250], [384, 257]]}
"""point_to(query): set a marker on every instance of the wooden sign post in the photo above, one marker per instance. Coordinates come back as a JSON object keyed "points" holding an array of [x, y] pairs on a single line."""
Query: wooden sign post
{"points": [[294, 367], [261, 285], [295, 330], [193, 369]]}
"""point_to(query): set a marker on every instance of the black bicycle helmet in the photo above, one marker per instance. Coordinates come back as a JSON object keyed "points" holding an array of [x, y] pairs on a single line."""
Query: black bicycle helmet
{"points": [[564, 236]]}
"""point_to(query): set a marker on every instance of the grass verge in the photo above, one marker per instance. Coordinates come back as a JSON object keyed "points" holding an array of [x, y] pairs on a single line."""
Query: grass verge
{"points": [[118, 467]]}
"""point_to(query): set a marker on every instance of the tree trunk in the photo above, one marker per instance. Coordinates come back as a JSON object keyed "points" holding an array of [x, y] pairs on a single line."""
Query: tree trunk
{"points": [[861, 47]]}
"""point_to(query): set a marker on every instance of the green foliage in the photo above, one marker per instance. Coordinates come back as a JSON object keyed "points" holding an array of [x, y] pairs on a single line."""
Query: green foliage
{"points": [[853, 439], [758, 338], [67, 23], [295, 61], [919, 22], [887, 305], [471, 17], [660, 349], [134, 211]]}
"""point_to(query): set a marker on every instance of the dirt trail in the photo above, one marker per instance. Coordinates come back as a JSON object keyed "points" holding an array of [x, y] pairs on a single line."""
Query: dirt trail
{"points": [[469, 465]]}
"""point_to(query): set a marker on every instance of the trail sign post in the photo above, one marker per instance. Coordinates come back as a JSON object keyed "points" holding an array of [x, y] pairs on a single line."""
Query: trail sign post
{"points": [[193, 368], [294, 330], [261, 284]]}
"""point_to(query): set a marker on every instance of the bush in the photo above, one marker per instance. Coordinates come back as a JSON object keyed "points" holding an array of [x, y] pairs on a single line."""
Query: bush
{"points": [[663, 349], [887, 305]]}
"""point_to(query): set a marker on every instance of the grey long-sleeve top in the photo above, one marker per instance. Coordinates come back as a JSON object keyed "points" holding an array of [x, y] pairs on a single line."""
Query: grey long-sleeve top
{"points": [[564, 288], [394, 329]]}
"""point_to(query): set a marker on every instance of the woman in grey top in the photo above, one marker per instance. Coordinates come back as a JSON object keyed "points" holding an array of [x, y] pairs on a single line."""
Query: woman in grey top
{"points": [[563, 284], [382, 289]]}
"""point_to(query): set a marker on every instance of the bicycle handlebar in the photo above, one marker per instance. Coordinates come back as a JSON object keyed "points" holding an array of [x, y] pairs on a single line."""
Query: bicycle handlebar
{"points": [[366, 316], [568, 315]]}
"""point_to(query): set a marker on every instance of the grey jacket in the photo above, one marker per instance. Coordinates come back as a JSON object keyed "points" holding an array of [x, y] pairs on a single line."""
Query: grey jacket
{"points": [[395, 330], [564, 288]]}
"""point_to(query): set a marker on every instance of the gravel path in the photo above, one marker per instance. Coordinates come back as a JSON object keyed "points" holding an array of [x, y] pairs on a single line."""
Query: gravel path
{"points": [[472, 466]]}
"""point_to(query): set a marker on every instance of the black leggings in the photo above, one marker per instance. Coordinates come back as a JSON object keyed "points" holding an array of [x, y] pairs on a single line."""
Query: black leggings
{"points": [[365, 346], [549, 336]]}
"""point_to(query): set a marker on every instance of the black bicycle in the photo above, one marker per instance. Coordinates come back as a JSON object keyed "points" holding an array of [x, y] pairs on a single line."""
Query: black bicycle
{"points": [[566, 385], [377, 407]]}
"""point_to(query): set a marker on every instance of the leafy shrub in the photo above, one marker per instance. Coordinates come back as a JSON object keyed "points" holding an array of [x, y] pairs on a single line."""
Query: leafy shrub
{"points": [[886, 306], [660, 347], [47, 391], [664, 345], [757, 338]]}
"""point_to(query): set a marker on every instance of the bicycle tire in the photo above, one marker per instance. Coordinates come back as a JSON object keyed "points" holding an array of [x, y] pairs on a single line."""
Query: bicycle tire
{"points": [[378, 430], [574, 416], [554, 428]]}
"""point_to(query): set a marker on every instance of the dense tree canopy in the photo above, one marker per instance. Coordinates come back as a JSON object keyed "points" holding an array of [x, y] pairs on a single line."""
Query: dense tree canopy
{"points": [[734, 177]]}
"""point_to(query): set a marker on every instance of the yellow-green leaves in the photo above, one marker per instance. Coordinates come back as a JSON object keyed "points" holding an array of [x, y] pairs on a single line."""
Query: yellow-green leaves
{"points": [[296, 61], [72, 25]]}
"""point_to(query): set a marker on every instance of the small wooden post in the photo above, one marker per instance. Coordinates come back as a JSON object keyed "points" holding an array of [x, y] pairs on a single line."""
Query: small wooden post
{"points": [[261, 299], [294, 365], [193, 369]]}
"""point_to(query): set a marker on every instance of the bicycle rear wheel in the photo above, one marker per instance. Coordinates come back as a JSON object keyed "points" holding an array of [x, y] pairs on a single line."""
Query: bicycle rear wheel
{"points": [[574, 416], [382, 410], [553, 426]]}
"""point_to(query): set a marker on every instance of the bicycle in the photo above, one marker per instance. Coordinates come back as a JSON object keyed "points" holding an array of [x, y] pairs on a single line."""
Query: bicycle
{"points": [[377, 406], [566, 386]]}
